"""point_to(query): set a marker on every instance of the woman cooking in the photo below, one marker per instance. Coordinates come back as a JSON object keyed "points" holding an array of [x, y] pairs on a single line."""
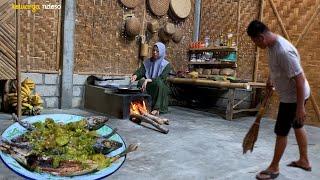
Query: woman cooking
{"points": [[153, 78]]}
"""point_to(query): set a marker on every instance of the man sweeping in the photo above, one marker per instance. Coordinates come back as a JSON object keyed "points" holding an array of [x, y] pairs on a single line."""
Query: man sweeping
{"points": [[287, 76]]}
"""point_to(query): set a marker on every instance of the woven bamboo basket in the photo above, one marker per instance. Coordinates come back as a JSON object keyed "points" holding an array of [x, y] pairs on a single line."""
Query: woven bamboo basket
{"points": [[130, 3], [153, 26], [144, 50], [163, 37], [133, 26], [169, 28], [215, 71], [159, 7], [227, 72], [180, 8], [177, 36]]}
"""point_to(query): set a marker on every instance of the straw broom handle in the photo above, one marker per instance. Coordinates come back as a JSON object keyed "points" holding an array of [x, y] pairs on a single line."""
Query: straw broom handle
{"points": [[263, 106], [313, 101]]}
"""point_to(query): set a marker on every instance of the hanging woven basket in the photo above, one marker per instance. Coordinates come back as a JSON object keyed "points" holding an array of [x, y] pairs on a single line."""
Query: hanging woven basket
{"points": [[153, 26], [133, 26], [163, 36], [169, 28], [180, 8], [177, 36], [130, 3], [159, 7]]}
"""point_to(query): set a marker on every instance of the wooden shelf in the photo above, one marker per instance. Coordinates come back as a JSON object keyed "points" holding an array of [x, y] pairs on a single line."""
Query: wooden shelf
{"points": [[214, 49], [221, 64]]}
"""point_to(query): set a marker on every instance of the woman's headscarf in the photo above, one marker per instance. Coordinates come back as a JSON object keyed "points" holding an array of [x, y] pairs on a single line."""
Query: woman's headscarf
{"points": [[155, 68]]}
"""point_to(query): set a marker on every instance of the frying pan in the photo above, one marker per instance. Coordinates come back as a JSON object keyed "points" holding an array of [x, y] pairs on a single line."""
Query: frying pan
{"points": [[127, 90]]}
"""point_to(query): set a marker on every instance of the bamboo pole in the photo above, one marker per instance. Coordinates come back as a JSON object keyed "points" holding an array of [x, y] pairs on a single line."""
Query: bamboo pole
{"points": [[18, 63], [256, 62], [39, 71], [209, 83], [306, 29], [238, 21], [279, 19], [58, 42]]}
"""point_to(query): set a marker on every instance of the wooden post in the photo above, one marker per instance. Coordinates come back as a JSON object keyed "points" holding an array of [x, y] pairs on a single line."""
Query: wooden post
{"points": [[18, 76], [229, 111]]}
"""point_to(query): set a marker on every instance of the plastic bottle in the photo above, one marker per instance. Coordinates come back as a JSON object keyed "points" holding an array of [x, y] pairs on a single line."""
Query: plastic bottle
{"points": [[230, 38], [207, 41]]}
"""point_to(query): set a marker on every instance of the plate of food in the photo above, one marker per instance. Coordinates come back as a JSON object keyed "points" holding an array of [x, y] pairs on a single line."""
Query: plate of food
{"points": [[63, 146]]}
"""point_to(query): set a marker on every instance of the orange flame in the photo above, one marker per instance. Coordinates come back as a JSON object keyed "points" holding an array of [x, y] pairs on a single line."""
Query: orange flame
{"points": [[138, 107]]}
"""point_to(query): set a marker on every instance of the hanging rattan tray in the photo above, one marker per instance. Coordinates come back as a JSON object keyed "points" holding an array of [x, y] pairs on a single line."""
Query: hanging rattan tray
{"points": [[159, 7], [130, 3], [180, 8]]}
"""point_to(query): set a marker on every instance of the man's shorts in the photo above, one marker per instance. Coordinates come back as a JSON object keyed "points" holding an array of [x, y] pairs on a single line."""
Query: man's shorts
{"points": [[286, 119]]}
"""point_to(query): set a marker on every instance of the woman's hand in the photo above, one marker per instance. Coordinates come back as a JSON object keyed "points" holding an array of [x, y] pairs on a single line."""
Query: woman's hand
{"points": [[144, 85], [133, 78]]}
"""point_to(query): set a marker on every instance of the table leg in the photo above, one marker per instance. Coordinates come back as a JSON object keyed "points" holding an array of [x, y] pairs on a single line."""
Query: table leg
{"points": [[229, 111]]}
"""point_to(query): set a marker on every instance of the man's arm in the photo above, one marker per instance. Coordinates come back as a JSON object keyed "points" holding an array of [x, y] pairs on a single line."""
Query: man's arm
{"points": [[300, 83]]}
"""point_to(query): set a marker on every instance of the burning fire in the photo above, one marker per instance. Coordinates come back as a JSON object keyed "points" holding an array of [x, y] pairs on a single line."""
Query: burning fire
{"points": [[138, 107]]}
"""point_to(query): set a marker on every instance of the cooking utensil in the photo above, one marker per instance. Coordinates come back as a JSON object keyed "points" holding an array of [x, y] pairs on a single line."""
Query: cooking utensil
{"points": [[127, 90], [130, 84]]}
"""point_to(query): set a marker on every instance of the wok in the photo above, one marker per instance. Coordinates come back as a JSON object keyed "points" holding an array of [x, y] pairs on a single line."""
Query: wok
{"points": [[129, 90]]}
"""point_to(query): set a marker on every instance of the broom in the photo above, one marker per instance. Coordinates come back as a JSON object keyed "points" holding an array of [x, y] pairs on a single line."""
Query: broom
{"points": [[252, 135]]}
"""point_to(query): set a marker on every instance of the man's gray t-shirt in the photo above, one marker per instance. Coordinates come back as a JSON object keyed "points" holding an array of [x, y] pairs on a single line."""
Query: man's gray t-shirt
{"points": [[284, 64]]}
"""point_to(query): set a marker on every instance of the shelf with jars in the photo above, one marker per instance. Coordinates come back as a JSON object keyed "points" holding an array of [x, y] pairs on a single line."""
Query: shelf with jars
{"points": [[214, 58]]}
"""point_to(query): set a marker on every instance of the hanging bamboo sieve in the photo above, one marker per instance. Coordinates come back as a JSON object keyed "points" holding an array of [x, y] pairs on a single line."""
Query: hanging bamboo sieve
{"points": [[159, 7], [130, 3], [180, 8]]}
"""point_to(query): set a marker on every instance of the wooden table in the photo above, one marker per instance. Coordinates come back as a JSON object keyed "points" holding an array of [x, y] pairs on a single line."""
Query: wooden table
{"points": [[230, 111]]}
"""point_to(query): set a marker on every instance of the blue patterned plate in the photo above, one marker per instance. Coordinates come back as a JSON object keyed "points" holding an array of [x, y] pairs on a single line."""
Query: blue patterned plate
{"points": [[16, 129]]}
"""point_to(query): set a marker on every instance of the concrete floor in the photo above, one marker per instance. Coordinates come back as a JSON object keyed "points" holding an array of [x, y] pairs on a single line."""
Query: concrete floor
{"points": [[199, 146]]}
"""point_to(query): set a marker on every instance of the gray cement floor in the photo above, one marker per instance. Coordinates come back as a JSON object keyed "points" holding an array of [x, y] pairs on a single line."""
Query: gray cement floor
{"points": [[198, 146]]}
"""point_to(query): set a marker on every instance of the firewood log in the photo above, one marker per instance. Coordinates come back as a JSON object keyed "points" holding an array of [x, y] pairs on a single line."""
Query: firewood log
{"points": [[157, 119], [149, 121]]}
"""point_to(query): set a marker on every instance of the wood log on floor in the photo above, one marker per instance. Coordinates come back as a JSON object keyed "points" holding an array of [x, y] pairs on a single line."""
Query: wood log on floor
{"points": [[156, 119], [149, 121]]}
